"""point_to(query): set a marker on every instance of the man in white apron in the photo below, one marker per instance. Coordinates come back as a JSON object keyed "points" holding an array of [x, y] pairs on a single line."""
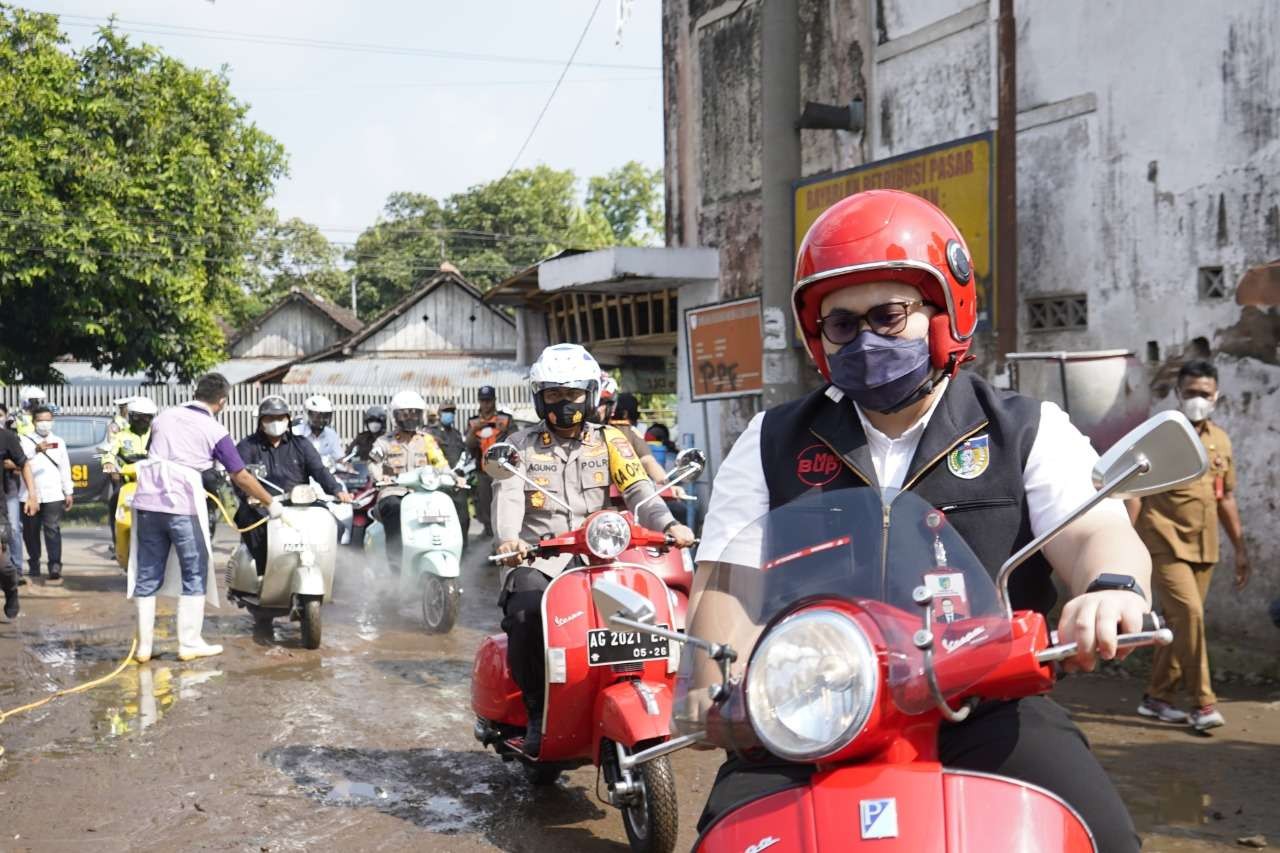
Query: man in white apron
{"points": [[170, 528]]}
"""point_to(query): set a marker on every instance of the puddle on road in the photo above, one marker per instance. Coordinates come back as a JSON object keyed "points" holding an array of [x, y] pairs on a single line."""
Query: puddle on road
{"points": [[141, 696], [1170, 802], [438, 790]]}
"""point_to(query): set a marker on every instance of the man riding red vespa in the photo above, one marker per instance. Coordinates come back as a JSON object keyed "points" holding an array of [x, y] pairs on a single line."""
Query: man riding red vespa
{"points": [[886, 300]]}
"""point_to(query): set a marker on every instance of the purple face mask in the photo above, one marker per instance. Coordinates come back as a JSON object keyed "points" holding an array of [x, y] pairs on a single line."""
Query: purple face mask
{"points": [[879, 372]]}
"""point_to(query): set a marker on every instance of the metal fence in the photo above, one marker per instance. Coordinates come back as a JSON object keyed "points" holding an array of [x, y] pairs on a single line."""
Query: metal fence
{"points": [[241, 414]]}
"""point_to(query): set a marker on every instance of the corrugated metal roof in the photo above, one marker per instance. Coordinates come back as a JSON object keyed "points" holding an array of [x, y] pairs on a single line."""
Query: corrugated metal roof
{"points": [[443, 373], [236, 370]]}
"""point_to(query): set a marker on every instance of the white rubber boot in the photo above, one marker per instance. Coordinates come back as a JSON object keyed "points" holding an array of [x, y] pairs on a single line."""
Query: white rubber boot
{"points": [[146, 626], [190, 620]]}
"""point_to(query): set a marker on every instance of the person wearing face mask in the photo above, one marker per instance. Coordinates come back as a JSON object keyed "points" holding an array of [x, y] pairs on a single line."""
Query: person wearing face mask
{"points": [[407, 448], [317, 429], [124, 447], [575, 459], [1180, 528], [375, 424], [453, 445], [51, 471], [290, 461], [886, 302], [484, 431]]}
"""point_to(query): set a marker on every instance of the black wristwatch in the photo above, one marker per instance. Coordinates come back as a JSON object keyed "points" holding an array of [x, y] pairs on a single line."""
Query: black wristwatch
{"points": [[1106, 581]]}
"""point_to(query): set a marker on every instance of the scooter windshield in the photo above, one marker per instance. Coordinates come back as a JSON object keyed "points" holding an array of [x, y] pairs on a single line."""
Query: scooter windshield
{"points": [[868, 549]]}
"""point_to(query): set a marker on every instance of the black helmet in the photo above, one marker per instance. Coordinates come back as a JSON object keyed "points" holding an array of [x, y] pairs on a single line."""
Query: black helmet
{"points": [[273, 406], [376, 413], [486, 393]]}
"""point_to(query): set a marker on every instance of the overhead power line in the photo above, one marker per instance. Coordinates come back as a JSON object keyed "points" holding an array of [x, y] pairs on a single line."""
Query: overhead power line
{"points": [[181, 31], [555, 89]]}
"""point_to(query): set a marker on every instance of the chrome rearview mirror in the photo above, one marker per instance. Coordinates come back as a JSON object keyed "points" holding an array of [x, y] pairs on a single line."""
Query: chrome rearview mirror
{"points": [[613, 599], [495, 456], [1170, 452], [1161, 453], [691, 457]]}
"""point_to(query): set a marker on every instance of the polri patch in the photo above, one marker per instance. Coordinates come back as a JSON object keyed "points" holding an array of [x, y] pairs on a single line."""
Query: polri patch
{"points": [[971, 458]]}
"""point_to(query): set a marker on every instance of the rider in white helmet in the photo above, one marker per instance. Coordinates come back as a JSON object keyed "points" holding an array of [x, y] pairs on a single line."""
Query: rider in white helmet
{"points": [[405, 447], [120, 419], [575, 459], [30, 396], [317, 429]]}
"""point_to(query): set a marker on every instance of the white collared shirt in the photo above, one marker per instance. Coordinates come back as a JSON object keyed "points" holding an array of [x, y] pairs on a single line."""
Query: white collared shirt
{"points": [[50, 470], [1056, 478]]}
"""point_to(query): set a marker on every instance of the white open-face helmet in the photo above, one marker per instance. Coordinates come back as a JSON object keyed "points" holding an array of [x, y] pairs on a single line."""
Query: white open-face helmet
{"points": [[408, 410], [123, 401], [564, 366], [142, 406], [318, 403], [31, 394]]}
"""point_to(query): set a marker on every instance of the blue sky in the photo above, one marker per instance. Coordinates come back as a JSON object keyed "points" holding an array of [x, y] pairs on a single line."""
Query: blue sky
{"points": [[361, 123]]}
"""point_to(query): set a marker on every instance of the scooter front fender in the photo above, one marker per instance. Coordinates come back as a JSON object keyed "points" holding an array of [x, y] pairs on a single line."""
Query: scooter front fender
{"points": [[308, 580], [632, 712], [901, 808], [439, 563]]}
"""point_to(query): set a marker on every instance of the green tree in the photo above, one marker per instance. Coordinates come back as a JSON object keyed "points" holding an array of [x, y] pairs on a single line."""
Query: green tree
{"points": [[290, 254], [631, 198], [488, 231], [130, 189]]}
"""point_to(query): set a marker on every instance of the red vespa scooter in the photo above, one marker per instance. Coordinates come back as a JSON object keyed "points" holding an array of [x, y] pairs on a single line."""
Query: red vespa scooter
{"points": [[865, 621], [673, 565], [608, 692]]}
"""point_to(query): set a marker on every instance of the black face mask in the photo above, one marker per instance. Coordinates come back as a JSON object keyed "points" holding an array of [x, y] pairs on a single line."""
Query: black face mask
{"points": [[139, 424], [566, 414]]}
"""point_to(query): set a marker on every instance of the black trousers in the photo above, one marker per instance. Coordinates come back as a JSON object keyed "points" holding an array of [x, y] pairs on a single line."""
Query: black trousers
{"points": [[256, 539], [49, 522], [462, 506], [521, 603], [1031, 739], [113, 500], [389, 514]]}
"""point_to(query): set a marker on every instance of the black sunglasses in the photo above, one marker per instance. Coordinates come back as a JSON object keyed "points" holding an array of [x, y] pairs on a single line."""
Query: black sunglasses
{"points": [[841, 326]]}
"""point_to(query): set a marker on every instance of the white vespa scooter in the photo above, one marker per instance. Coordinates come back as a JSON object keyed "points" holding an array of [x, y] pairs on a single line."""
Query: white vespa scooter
{"points": [[302, 548], [431, 542]]}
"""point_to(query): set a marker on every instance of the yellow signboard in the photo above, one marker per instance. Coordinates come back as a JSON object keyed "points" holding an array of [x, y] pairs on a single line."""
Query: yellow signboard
{"points": [[958, 177]]}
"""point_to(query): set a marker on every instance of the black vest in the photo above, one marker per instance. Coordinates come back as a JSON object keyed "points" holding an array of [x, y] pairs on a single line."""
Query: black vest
{"points": [[818, 443]]}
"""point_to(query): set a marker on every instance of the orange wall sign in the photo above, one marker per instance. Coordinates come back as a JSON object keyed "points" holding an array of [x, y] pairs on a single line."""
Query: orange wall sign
{"points": [[726, 349]]}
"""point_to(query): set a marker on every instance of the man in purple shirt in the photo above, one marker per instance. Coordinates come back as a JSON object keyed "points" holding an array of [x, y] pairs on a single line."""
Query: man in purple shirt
{"points": [[169, 502]]}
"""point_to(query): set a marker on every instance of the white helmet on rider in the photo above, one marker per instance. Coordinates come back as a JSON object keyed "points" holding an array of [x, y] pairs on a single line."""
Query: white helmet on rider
{"points": [[319, 411], [408, 410], [565, 366], [30, 395], [142, 406]]}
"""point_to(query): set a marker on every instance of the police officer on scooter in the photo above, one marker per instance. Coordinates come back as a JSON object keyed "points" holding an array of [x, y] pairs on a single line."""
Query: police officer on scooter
{"points": [[290, 460], [886, 300], [574, 459], [453, 446]]}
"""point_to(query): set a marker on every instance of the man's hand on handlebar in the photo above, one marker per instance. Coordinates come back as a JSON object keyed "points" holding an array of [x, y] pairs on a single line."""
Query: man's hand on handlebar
{"points": [[517, 549], [1093, 620], [681, 536], [344, 497]]}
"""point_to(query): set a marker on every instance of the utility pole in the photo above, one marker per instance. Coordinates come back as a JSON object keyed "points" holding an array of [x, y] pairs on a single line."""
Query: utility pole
{"points": [[779, 169], [1006, 307]]}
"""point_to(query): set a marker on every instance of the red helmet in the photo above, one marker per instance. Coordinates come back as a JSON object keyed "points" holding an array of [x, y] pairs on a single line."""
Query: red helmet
{"points": [[889, 235]]}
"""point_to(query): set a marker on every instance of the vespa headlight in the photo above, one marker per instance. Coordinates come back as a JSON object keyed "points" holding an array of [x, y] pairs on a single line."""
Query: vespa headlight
{"points": [[608, 535], [811, 684], [428, 479], [302, 495]]}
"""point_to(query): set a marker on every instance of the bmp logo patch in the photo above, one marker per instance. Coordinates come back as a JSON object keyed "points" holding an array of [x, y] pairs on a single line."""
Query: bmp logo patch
{"points": [[816, 465], [879, 818], [971, 458]]}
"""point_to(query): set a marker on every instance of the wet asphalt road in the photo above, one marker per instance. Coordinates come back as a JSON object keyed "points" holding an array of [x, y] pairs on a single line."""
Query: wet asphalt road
{"points": [[366, 743]]}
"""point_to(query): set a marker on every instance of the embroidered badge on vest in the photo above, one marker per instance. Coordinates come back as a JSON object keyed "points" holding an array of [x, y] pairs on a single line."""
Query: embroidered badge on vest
{"points": [[971, 458], [537, 500], [816, 465]]}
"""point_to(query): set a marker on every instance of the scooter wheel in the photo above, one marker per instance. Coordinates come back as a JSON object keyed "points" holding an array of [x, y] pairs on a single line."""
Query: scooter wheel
{"points": [[311, 623], [652, 822], [440, 601]]}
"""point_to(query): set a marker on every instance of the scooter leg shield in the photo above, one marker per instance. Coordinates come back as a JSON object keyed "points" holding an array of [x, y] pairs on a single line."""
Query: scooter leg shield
{"points": [[631, 712]]}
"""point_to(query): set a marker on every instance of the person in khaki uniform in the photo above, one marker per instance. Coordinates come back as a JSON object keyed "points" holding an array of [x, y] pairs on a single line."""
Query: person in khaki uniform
{"points": [[1180, 529], [575, 460], [407, 448]]}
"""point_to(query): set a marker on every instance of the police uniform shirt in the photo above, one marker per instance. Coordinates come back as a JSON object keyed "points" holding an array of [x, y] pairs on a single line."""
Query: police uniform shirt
{"points": [[1057, 476], [391, 456], [578, 472], [1183, 523]]}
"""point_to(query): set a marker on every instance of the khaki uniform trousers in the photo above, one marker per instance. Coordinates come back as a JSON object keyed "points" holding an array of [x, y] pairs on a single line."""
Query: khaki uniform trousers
{"points": [[1180, 590]]}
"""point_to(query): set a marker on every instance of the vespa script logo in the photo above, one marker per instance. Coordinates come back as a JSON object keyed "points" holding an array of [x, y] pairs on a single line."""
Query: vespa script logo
{"points": [[561, 621], [963, 640], [817, 465], [763, 844]]}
